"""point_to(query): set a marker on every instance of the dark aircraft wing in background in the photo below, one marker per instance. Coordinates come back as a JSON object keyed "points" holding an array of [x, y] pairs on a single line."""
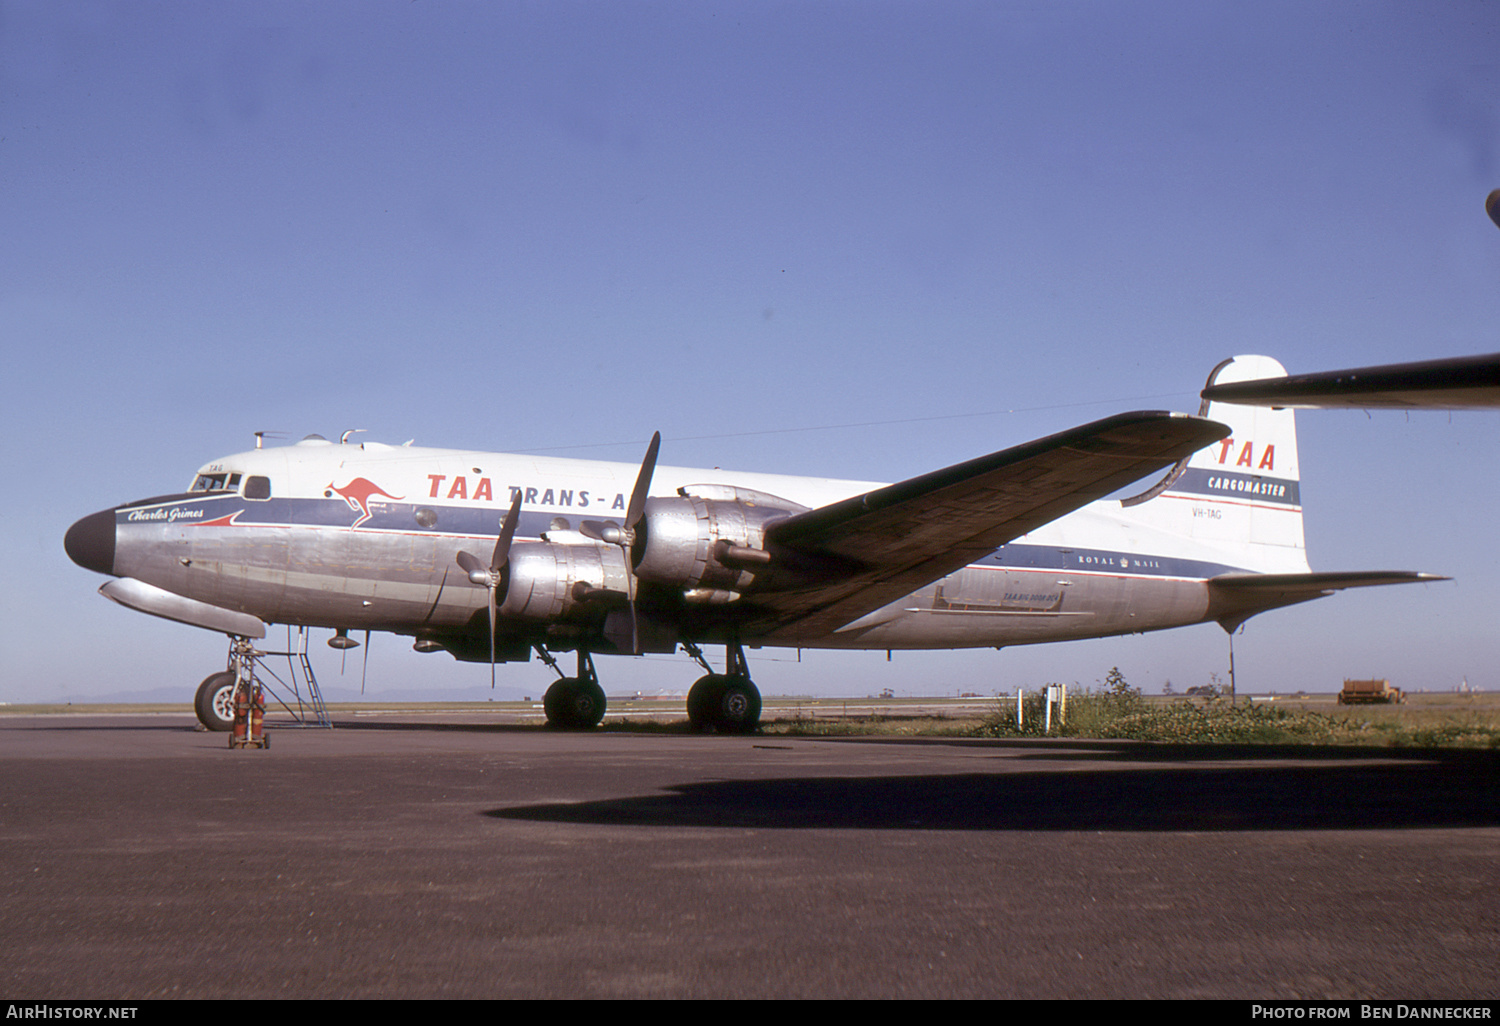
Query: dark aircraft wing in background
{"points": [[1464, 383]]}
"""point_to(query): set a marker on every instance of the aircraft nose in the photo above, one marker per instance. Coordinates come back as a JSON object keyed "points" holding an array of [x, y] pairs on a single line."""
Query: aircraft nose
{"points": [[91, 542]]}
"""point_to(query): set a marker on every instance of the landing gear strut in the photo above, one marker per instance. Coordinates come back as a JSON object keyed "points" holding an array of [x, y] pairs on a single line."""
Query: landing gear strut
{"points": [[725, 702], [575, 703], [214, 701]]}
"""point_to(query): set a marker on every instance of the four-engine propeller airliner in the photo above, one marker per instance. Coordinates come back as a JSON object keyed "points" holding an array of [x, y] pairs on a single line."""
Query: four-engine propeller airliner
{"points": [[494, 557]]}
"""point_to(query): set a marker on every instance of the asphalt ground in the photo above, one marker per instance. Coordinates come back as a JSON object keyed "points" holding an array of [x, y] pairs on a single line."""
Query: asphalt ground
{"points": [[443, 856]]}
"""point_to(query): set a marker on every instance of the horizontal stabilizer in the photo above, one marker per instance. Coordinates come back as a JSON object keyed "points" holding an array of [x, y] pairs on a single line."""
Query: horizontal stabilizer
{"points": [[1235, 598]]}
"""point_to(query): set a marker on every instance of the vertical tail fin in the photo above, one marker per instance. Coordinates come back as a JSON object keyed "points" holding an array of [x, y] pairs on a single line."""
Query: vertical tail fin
{"points": [[1237, 500]]}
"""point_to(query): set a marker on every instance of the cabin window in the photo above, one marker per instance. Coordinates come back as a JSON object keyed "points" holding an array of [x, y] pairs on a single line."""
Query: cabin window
{"points": [[257, 487]]}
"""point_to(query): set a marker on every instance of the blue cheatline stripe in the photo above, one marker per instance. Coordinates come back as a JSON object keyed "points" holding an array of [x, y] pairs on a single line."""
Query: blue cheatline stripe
{"points": [[1105, 561], [1229, 485], [335, 512], [465, 520]]}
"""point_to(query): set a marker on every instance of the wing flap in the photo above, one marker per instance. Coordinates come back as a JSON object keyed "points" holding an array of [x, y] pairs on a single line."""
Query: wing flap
{"points": [[869, 550]]}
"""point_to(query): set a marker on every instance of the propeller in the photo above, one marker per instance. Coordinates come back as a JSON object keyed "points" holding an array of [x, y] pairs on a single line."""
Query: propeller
{"points": [[624, 535], [489, 576]]}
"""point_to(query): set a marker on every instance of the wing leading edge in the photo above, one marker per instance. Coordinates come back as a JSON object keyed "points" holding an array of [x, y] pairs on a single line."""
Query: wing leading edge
{"points": [[864, 552]]}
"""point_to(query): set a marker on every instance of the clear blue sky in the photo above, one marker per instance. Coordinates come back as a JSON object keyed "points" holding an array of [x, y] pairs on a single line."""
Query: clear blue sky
{"points": [[857, 240]]}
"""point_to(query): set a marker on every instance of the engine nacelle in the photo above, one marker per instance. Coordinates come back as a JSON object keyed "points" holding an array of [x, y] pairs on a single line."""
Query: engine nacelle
{"points": [[712, 538], [544, 580]]}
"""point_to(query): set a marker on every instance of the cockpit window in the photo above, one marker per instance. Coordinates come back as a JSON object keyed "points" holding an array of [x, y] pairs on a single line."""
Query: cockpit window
{"points": [[257, 487], [225, 482]]}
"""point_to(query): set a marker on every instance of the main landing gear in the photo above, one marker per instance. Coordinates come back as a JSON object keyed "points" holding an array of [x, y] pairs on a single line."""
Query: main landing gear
{"points": [[728, 703], [574, 703]]}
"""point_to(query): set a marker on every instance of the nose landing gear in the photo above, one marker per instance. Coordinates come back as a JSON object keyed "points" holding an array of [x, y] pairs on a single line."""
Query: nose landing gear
{"points": [[214, 700]]}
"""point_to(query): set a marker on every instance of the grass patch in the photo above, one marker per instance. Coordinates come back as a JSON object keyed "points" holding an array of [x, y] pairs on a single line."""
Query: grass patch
{"points": [[1113, 716], [1122, 713], [873, 726], [1108, 717]]}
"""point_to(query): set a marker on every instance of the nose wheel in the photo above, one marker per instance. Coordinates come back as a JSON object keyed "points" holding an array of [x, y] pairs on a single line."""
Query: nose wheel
{"points": [[214, 702]]}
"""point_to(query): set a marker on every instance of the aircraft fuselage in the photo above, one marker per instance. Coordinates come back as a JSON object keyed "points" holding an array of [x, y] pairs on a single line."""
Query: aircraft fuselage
{"points": [[365, 537]]}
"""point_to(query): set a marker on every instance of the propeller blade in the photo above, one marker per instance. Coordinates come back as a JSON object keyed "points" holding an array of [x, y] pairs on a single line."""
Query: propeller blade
{"points": [[492, 639], [497, 563], [507, 532], [642, 484], [633, 514], [472, 566], [635, 627], [624, 536]]}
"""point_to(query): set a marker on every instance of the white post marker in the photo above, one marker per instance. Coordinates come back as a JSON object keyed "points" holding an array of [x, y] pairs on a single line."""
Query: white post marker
{"points": [[1054, 694]]}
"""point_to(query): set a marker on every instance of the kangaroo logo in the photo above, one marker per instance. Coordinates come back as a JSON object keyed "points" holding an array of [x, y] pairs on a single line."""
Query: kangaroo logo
{"points": [[360, 494]]}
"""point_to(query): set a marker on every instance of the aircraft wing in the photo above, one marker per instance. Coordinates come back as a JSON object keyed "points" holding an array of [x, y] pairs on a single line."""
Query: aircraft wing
{"points": [[864, 552], [1464, 383], [1235, 598]]}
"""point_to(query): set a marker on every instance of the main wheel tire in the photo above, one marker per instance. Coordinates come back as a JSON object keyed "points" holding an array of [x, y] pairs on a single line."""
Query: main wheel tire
{"points": [[214, 702], [729, 704], [573, 703], [703, 699], [739, 707]]}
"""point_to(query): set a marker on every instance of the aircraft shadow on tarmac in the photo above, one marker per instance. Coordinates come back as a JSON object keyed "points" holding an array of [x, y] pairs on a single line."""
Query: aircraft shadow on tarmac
{"points": [[1444, 789]]}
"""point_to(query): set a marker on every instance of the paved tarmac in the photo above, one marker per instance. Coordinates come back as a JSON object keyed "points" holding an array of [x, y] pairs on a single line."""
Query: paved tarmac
{"points": [[440, 856]]}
